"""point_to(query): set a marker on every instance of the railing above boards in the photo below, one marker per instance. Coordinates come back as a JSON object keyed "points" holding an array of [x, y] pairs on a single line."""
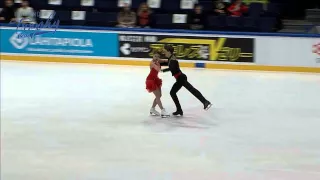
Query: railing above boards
{"points": [[179, 31]]}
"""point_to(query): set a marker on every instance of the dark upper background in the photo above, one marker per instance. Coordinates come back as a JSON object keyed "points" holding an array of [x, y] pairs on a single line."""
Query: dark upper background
{"points": [[259, 17]]}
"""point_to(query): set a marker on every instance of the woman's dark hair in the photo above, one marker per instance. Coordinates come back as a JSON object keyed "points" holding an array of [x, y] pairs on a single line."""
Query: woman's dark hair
{"points": [[169, 48]]}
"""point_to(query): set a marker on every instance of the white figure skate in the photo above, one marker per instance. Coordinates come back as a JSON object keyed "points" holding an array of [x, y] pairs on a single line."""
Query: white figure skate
{"points": [[164, 113], [154, 112]]}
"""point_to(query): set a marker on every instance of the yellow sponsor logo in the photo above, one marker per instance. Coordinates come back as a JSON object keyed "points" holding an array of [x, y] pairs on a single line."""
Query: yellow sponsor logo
{"points": [[255, 1], [181, 51], [216, 48]]}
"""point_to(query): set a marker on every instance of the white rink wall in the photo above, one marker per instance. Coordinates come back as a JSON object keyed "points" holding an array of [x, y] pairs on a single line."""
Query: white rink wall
{"points": [[112, 46]]}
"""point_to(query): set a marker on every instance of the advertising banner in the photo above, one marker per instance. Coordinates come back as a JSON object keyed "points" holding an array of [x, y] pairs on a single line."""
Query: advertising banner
{"points": [[316, 51], [60, 43], [189, 48], [288, 51], [248, 2]]}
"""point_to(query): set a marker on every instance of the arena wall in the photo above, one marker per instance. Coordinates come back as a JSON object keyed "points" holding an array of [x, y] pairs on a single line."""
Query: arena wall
{"points": [[202, 49]]}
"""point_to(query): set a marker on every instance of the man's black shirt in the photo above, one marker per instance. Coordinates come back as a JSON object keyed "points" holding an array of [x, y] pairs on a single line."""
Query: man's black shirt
{"points": [[173, 65]]}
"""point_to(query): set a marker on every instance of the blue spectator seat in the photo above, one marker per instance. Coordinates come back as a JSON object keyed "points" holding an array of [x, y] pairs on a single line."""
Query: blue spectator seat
{"points": [[233, 23], [112, 18], [136, 3], [73, 4], [107, 5], [1, 3], [170, 6], [64, 17], [249, 24], [37, 5], [163, 21], [181, 25], [216, 23], [96, 19], [273, 9], [255, 9], [104, 13], [54, 17], [78, 22], [267, 24], [206, 5]]}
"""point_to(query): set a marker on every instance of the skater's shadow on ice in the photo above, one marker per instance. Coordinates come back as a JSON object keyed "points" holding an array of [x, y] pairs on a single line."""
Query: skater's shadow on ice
{"points": [[192, 121]]}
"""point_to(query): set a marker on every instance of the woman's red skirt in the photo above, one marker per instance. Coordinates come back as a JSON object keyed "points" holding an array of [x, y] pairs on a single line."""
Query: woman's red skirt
{"points": [[153, 84]]}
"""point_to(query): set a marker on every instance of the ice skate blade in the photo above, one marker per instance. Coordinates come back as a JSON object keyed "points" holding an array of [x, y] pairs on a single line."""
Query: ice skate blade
{"points": [[208, 107], [152, 114], [165, 116]]}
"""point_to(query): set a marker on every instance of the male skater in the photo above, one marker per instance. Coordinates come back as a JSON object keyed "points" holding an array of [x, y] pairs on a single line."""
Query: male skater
{"points": [[181, 80]]}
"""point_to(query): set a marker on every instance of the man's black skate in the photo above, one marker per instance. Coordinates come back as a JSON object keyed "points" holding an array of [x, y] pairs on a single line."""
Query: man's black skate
{"points": [[207, 105], [177, 113]]}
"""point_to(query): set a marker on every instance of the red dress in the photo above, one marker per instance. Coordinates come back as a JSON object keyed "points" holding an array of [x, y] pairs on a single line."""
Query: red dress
{"points": [[239, 12], [153, 82]]}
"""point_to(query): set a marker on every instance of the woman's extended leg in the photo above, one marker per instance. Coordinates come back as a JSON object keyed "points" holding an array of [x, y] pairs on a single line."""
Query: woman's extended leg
{"points": [[153, 110], [154, 104], [158, 94]]}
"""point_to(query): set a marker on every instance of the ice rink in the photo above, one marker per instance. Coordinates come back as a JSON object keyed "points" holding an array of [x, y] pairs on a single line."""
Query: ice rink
{"points": [[91, 122]]}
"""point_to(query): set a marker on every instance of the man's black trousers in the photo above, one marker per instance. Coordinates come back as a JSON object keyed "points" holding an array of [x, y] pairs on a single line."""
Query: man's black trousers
{"points": [[183, 81]]}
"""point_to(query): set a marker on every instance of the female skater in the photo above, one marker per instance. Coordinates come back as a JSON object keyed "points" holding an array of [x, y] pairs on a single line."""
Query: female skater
{"points": [[181, 80], [154, 83]]}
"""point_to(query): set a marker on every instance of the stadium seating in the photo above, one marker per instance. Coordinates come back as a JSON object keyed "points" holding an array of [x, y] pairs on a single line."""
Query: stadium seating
{"points": [[255, 9], [250, 24], [217, 23], [267, 24], [104, 13], [273, 10]]}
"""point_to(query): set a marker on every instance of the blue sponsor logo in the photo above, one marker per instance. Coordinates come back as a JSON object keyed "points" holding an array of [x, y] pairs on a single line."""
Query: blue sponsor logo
{"points": [[61, 43]]}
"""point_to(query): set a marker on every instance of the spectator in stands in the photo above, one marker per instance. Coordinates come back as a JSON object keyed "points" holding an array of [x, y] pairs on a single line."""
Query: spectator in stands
{"points": [[220, 7], [196, 20], [7, 13], [126, 17], [144, 16], [25, 13], [237, 8]]}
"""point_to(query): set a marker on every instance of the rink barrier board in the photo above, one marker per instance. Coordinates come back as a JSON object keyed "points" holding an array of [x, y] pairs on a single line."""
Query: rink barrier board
{"points": [[295, 62], [58, 59], [135, 62], [173, 31], [263, 51]]}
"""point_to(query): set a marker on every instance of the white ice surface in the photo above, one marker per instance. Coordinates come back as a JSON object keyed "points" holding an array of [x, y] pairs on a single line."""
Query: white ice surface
{"points": [[91, 122]]}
